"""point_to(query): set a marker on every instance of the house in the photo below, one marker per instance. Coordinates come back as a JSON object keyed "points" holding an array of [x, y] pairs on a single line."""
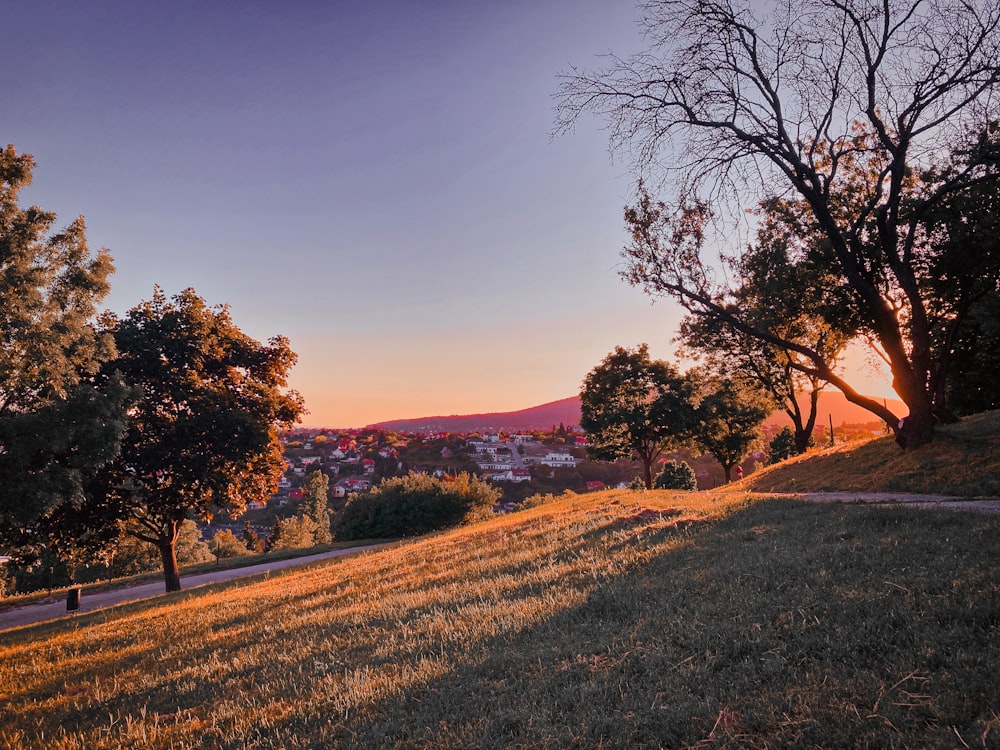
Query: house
{"points": [[495, 465], [356, 485], [511, 475], [284, 483], [581, 442], [594, 486], [523, 439], [369, 466], [558, 459]]}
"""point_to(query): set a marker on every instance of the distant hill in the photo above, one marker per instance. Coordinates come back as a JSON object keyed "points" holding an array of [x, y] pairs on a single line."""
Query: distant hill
{"points": [[567, 412]]}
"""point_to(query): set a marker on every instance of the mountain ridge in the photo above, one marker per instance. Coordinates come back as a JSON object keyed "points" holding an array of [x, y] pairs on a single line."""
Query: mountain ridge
{"points": [[566, 411]]}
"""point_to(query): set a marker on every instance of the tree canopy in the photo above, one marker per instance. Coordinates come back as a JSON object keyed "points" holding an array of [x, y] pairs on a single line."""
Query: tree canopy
{"points": [[634, 406], [60, 417], [843, 106], [728, 418], [203, 432]]}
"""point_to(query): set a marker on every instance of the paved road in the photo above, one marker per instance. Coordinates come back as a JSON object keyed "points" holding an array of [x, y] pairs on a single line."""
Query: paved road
{"points": [[50, 609]]}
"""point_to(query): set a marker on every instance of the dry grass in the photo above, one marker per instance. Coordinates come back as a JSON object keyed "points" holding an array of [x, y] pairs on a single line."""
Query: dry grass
{"points": [[963, 460], [617, 619]]}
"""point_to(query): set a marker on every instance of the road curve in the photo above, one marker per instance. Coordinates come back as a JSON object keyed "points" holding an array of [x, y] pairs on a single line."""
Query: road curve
{"points": [[50, 609]]}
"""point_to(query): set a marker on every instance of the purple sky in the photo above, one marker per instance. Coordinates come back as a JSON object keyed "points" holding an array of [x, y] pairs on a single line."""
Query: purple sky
{"points": [[375, 181]]}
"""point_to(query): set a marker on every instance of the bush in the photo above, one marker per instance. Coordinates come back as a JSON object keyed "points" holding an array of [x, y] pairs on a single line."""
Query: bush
{"points": [[676, 475], [226, 544], [637, 483], [293, 533], [782, 446], [190, 549], [415, 504], [542, 498]]}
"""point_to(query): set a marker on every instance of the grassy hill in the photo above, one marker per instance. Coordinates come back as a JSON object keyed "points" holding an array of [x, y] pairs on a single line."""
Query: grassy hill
{"points": [[616, 619], [963, 460]]}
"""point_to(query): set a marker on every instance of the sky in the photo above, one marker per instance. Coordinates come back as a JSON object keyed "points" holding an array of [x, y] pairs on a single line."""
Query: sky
{"points": [[376, 181]]}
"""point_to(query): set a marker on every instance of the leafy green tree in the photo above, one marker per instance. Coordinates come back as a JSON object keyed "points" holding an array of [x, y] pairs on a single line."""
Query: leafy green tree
{"points": [[203, 434], [633, 406], [251, 539], [59, 418], [226, 544], [843, 108], [676, 475], [728, 419], [190, 548], [296, 532], [315, 506], [972, 383], [786, 287], [782, 446]]}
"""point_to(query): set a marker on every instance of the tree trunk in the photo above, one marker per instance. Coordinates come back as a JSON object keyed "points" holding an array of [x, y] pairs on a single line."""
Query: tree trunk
{"points": [[916, 429], [728, 469], [647, 473], [171, 573]]}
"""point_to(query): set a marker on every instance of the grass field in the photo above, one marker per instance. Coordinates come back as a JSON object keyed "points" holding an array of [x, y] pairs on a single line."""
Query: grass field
{"points": [[963, 460], [615, 619]]}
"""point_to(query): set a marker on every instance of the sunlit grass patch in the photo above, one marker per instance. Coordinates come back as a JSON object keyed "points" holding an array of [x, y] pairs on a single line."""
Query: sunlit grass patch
{"points": [[616, 619], [963, 460]]}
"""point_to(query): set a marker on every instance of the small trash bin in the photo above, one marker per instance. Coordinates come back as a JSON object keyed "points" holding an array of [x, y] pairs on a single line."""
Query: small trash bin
{"points": [[73, 598]]}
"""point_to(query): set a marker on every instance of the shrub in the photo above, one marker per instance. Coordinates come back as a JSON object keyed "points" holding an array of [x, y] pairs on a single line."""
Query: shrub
{"points": [[226, 544], [191, 550], [293, 533], [415, 504], [782, 446], [637, 483], [676, 475], [542, 498]]}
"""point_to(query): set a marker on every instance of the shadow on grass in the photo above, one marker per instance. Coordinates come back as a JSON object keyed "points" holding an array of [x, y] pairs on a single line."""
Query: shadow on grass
{"points": [[787, 624]]}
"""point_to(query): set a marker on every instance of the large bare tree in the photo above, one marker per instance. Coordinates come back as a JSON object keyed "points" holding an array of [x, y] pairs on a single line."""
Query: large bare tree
{"points": [[846, 106]]}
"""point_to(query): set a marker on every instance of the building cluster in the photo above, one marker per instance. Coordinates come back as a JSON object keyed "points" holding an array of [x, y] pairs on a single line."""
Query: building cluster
{"points": [[510, 460]]}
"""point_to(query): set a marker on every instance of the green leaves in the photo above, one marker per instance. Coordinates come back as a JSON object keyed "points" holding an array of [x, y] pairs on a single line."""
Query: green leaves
{"points": [[631, 405], [60, 421]]}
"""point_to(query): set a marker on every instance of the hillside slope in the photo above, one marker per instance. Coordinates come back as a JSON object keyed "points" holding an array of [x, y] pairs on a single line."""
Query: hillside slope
{"points": [[963, 460], [615, 620]]}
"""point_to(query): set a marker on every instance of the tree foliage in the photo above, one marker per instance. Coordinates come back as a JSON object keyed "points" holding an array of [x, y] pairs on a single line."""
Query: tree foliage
{"points": [[226, 544], [203, 432], [785, 286], [634, 406], [315, 506], [842, 106], [728, 419], [60, 419], [292, 533], [782, 446], [676, 475], [415, 504]]}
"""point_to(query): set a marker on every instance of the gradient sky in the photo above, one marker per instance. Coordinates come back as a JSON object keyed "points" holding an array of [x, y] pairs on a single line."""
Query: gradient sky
{"points": [[374, 180]]}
